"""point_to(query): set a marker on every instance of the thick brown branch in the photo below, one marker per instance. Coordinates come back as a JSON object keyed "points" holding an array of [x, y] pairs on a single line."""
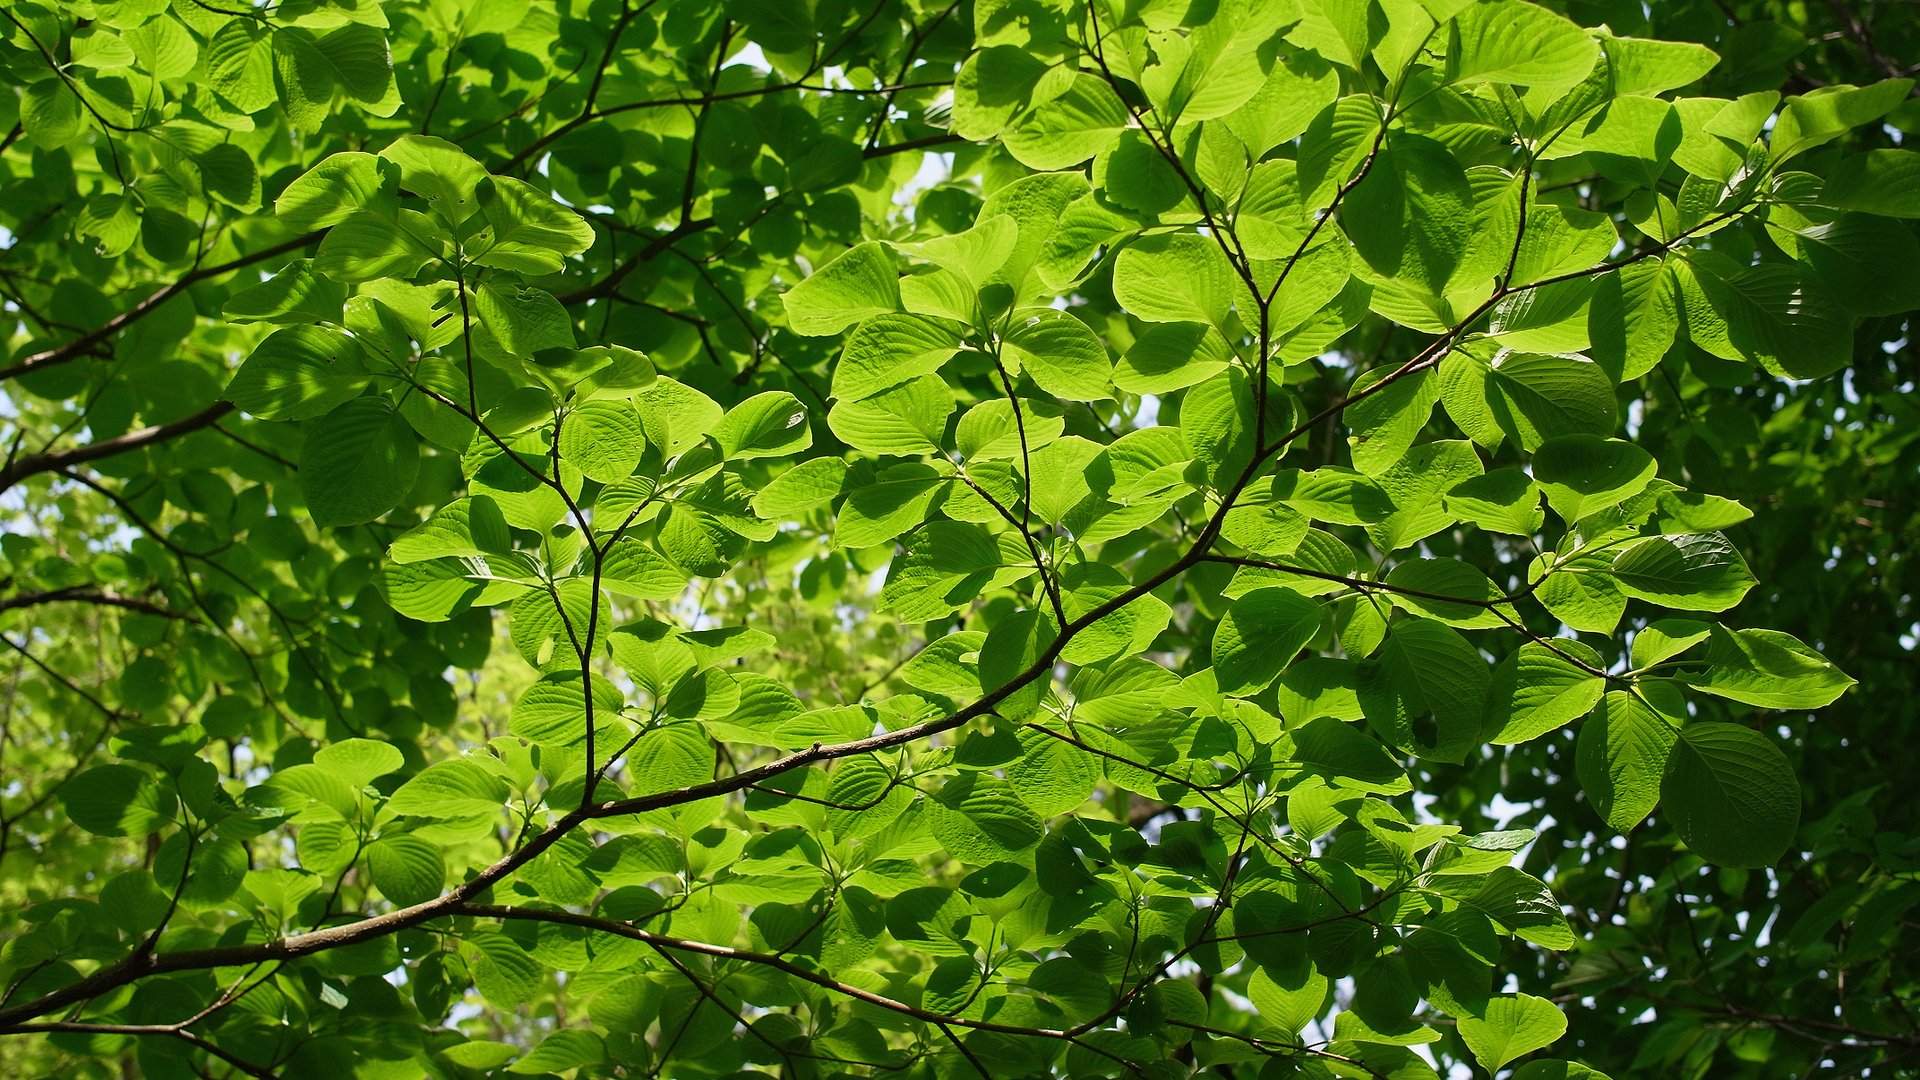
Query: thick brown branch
{"points": [[82, 594], [91, 340], [55, 460]]}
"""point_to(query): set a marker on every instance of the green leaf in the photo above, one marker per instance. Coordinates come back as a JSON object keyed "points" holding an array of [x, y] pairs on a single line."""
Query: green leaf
{"points": [[860, 283], [1769, 669], [1885, 182], [554, 710], [407, 869], [1648, 66], [980, 820], [1068, 129], [1536, 398], [560, 1052], [332, 190], [357, 463], [772, 424], [311, 69], [515, 322], [1506, 41], [50, 113], [1731, 795], [1698, 572], [630, 568], [450, 789], [975, 254], [440, 172], [1504, 501], [295, 295], [1382, 426], [1060, 353], [1411, 217], [502, 971], [470, 527], [1052, 777], [1869, 264], [1175, 278], [808, 484], [1622, 754], [299, 373], [1512, 1027], [532, 234], [1633, 319], [359, 761], [907, 420], [1416, 487], [1259, 636], [1769, 314], [890, 349], [116, 800], [605, 440], [367, 245], [1292, 1004], [228, 174], [1426, 689], [947, 666], [1827, 112], [1584, 474], [1012, 648], [879, 511], [946, 567], [670, 758], [1540, 688], [1524, 905]]}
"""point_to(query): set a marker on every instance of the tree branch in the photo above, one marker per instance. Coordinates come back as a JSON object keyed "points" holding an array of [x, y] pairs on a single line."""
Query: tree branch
{"points": [[87, 342]]}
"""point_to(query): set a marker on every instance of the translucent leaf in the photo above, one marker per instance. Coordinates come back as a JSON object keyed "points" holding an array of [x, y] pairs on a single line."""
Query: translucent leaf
{"points": [[1512, 1027], [886, 350], [1259, 636], [561, 1052], [1506, 41], [1013, 647], [357, 463], [450, 789], [407, 869], [980, 820], [1885, 182], [328, 193], [1182, 277], [1769, 314], [1069, 129], [1540, 688], [295, 295], [359, 761], [116, 800], [1059, 352], [1622, 754], [440, 172], [1290, 1005], [772, 424], [299, 373], [861, 283], [1695, 572], [1583, 474], [1426, 690], [1769, 669], [532, 234]]}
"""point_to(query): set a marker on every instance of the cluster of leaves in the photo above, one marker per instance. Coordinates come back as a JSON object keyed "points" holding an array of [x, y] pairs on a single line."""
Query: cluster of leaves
{"points": [[997, 539]]}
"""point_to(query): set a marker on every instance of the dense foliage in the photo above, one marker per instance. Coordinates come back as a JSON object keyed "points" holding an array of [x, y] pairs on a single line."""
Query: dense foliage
{"points": [[1013, 538]]}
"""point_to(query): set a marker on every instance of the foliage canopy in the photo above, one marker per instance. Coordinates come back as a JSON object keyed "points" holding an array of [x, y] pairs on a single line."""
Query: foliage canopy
{"points": [[1011, 538]]}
